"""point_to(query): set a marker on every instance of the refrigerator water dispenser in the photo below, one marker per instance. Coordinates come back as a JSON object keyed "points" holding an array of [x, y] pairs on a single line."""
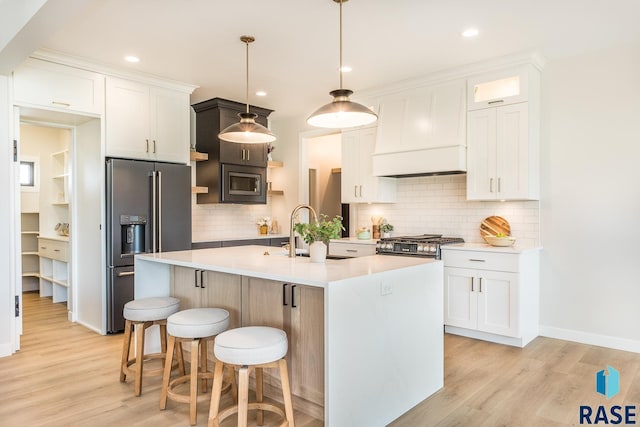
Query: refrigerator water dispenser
{"points": [[133, 229]]}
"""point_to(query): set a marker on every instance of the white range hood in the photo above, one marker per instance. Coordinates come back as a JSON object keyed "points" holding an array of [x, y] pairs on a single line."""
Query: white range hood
{"points": [[424, 161]]}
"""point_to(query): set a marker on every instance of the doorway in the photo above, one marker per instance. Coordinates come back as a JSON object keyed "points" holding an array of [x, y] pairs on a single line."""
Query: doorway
{"points": [[60, 254], [321, 167]]}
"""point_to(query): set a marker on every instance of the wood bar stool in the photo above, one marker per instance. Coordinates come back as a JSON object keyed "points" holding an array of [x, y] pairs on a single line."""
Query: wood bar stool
{"points": [[197, 326], [250, 348], [140, 314]]}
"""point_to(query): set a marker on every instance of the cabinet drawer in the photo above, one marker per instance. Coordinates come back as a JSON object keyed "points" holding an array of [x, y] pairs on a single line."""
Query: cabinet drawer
{"points": [[480, 260], [53, 249], [351, 249]]}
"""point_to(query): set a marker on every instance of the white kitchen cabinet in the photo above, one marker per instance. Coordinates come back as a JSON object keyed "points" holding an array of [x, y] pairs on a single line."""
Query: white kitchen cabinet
{"points": [[503, 143], [421, 130], [491, 295], [352, 248], [502, 87], [502, 157], [146, 122], [358, 185], [58, 87], [54, 268], [482, 300]]}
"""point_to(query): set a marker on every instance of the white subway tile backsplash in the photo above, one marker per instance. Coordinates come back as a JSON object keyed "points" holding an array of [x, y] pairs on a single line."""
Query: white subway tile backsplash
{"points": [[222, 221], [437, 204]]}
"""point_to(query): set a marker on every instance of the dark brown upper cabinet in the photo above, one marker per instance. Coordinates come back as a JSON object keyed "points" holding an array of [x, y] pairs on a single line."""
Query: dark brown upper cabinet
{"points": [[212, 116]]}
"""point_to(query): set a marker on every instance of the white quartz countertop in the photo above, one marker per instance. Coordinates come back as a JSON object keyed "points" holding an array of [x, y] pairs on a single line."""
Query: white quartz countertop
{"points": [[274, 264], [355, 240], [488, 248]]}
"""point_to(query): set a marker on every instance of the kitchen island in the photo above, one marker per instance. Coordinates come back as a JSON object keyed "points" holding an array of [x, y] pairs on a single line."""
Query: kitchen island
{"points": [[365, 334]]}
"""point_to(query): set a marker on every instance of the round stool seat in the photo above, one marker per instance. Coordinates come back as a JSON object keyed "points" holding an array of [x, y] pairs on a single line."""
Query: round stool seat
{"points": [[198, 322], [150, 309], [251, 345]]}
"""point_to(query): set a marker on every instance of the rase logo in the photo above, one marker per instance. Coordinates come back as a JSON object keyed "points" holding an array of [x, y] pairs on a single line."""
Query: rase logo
{"points": [[608, 385]]}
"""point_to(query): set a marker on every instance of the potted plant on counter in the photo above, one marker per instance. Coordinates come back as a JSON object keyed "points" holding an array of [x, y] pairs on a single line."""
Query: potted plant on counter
{"points": [[317, 234], [386, 229]]}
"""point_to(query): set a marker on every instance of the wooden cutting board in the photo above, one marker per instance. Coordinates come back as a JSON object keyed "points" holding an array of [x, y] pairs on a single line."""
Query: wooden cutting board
{"points": [[493, 225]]}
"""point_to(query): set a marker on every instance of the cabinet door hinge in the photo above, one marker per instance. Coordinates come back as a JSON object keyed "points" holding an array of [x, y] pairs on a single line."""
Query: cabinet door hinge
{"points": [[17, 305], [15, 150]]}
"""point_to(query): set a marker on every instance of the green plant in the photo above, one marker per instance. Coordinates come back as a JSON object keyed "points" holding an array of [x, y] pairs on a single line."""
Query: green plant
{"points": [[385, 228], [322, 230]]}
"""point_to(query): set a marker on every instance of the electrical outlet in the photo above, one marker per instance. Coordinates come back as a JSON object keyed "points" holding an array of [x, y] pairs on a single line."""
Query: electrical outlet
{"points": [[386, 289]]}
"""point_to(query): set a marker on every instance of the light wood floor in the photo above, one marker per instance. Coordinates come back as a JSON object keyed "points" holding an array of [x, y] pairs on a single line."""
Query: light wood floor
{"points": [[66, 375]]}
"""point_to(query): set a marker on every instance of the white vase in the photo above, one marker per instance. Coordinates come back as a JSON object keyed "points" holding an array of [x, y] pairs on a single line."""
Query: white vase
{"points": [[318, 251], [386, 234]]}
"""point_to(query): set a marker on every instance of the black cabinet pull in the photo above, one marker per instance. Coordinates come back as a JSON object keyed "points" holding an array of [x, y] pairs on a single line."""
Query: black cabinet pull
{"points": [[195, 278], [284, 293], [202, 279], [293, 301]]}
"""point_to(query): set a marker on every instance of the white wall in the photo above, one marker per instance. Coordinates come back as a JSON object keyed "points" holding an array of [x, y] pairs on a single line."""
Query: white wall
{"points": [[44, 141], [590, 210]]}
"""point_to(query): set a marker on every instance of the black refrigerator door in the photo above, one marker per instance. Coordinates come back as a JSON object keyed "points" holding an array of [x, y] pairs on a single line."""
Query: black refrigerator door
{"points": [[120, 289], [174, 201], [128, 193]]}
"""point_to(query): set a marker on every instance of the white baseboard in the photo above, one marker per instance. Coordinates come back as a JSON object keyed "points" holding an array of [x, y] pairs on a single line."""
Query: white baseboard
{"points": [[591, 339], [6, 349], [485, 336]]}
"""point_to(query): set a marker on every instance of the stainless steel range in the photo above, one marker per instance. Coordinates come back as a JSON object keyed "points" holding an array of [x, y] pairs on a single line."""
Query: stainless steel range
{"points": [[425, 245]]}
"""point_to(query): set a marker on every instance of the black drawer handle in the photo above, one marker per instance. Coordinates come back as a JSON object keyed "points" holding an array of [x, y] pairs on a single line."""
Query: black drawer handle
{"points": [[284, 293], [293, 301]]}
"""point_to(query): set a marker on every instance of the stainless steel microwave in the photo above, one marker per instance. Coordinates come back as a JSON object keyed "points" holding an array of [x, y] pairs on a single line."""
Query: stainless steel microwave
{"points": [[243, 184]]}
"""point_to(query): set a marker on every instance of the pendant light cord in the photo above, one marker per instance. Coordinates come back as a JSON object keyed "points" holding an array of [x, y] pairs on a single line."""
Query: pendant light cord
{"points": [[247, 93], [340, 44]]}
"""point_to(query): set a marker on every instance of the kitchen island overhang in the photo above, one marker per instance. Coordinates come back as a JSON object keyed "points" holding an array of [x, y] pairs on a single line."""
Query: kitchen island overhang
{"points": [[383, 321]]}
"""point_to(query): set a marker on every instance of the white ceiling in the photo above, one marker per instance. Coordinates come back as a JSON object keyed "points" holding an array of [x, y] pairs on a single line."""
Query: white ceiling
{"points": [[295, 56]]}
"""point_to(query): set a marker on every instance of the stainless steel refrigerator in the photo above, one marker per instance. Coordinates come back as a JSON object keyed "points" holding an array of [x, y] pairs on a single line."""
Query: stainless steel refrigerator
{"points": [[148, 210]]}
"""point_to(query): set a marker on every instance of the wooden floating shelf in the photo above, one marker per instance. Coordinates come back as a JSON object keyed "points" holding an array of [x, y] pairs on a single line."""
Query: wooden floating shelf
{"points": [[336, 170], [275, 192], [274, 164], [199, 190], [198, 157]]}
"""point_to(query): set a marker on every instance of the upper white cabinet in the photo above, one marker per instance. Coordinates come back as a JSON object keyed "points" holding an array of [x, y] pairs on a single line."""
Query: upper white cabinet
{"points": [[358, 185], [502, 87], [58, 87], [422, 130], [146, 122], [503, 144]]}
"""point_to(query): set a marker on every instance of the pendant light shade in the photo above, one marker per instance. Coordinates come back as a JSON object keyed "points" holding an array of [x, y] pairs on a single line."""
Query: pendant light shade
{"points": [[341, 112], [247, 131]]}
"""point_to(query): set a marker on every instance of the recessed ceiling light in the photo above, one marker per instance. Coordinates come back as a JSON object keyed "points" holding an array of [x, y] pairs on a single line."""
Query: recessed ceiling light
{"points": [[131, 58], [470, 32], [346, 69], [261, 93]]}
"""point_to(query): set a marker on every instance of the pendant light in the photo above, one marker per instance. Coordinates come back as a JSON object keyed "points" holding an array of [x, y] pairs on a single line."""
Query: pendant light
{"points": [[247, 131], [341, 112]]}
